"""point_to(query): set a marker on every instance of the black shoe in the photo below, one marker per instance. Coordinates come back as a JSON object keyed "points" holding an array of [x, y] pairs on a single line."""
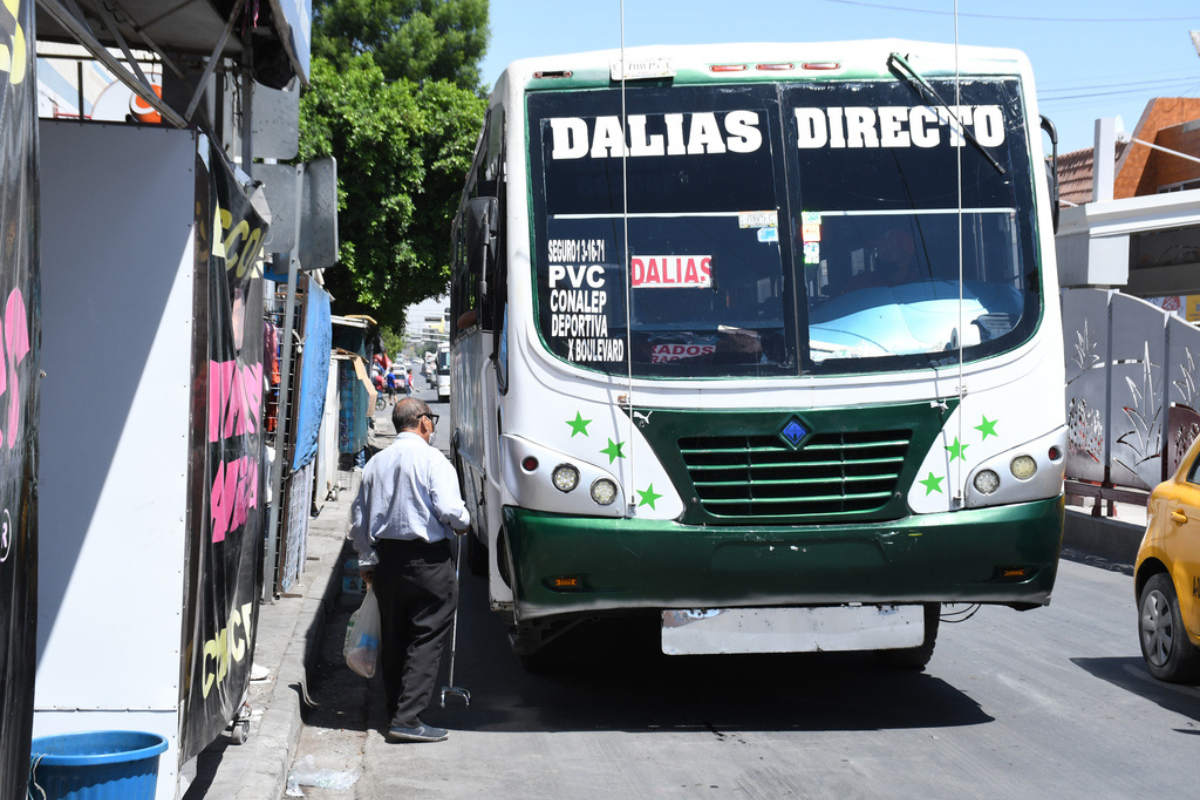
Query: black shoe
{"points": [[421, 733]]}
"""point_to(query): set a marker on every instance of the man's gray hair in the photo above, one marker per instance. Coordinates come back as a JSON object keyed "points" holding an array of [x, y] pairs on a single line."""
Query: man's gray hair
{"points": [[407, 414]]}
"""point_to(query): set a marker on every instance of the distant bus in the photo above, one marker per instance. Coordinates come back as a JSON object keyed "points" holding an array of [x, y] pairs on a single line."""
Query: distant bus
{"points": [[443, 373], [767, 344]]}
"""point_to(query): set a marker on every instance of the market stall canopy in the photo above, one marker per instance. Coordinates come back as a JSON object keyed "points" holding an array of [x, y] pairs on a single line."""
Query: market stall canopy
{"points": [[281, 32]]}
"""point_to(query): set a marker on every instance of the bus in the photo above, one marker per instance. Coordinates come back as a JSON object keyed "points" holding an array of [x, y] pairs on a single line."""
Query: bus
{"points": [[763, 341], [442, 368]]}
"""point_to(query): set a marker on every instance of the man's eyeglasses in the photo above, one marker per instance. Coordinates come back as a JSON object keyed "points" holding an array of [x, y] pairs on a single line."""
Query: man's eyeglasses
{"points": [[433, 418]]}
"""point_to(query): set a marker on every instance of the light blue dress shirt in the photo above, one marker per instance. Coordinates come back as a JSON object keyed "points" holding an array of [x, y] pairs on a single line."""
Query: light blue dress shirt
{"points": [[409, 491]]}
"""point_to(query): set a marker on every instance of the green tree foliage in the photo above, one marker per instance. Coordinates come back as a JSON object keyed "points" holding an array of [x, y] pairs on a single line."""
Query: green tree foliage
{"points": [[393, 341], [403, 151], [418, 40]]}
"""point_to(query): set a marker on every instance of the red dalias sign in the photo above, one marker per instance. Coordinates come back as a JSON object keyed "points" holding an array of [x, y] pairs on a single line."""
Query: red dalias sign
{"points": [[671, 272]]}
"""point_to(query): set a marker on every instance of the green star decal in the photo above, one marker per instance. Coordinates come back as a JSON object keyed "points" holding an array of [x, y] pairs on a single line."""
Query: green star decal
{"points": [[578, 425], [613, 451], [932, 484], [987, 428], [648, 496], [958, 450]]}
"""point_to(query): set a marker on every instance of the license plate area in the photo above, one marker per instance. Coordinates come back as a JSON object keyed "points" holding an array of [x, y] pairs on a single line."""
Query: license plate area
{"points": [[791, 630]]}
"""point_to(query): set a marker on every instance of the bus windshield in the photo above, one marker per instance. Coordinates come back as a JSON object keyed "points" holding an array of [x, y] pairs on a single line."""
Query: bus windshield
{"points": [[780, 229]]}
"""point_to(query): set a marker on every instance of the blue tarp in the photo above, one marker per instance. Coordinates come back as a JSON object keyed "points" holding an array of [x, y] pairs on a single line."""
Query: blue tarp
{"points": [[314, 380]]}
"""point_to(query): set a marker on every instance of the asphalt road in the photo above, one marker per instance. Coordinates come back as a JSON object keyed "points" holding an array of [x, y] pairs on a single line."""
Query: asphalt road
{"points": [[1053, 702]]}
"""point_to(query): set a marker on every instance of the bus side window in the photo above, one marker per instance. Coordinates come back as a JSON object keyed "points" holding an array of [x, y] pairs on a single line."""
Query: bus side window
{"points": [[481, 221], [458, 281], [465, 301], [491, 185]]}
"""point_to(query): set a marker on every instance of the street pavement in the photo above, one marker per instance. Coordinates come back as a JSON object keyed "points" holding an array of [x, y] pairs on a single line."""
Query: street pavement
{"points": [[289, 642]]}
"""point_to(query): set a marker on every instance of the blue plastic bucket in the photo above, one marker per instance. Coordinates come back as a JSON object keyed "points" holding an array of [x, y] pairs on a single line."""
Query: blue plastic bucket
{"points": [[95, 765]]}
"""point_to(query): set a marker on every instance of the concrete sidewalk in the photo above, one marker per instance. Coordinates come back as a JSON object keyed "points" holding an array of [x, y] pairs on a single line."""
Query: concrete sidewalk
{"points": [[288, 640]]}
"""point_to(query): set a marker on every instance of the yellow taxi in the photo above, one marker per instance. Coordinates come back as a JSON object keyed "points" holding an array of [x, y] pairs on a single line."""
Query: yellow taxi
{"points": [[1167, 575]]}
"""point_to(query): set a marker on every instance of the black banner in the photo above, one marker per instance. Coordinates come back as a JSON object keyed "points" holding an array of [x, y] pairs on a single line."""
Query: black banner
{"points": [[228, 468], [19, 346]]}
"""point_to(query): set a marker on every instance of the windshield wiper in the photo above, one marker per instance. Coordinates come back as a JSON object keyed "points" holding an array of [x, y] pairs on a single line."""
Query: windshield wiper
{"points": [[896, 60]]}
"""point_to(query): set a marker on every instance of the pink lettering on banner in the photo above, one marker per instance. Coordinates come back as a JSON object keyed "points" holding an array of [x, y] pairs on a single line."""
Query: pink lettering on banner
{"points": [[13, 350], [234, 399], [234, 493]]}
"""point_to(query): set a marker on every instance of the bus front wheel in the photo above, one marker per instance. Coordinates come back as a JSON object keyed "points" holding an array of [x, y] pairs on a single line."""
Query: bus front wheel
{"points": [[916, 657]]}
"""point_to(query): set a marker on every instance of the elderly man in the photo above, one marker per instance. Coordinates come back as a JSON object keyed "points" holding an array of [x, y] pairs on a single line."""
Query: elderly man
{"points": [[407, 505]]}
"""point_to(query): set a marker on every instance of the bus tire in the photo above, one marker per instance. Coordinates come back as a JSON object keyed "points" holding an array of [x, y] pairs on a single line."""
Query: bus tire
{"points": [[915, 658], [477, 555], [503, 565], [1169, 654]]}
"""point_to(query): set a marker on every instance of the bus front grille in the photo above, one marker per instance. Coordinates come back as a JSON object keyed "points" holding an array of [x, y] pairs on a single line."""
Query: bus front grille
{"points": [[750, 477]]}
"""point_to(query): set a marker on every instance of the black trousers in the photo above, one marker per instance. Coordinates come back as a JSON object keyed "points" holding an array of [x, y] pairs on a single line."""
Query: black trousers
{"points": [[417, 592]]}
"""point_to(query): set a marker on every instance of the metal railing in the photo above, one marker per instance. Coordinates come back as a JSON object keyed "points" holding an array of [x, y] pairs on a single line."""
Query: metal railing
{"points": [[1132, 394]]}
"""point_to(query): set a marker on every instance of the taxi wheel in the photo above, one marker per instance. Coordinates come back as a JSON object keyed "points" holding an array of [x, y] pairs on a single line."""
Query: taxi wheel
{"points": [[1170, 655]]}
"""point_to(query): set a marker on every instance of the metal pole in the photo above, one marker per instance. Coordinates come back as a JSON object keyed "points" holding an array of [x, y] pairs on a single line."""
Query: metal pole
{"points": [[247, 104], [212, 62], [281, 416], [1167, 150], [285, 368]]}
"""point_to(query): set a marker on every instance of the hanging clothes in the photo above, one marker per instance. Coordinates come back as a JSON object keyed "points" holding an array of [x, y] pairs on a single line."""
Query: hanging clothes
{"points": [[271, 351]]}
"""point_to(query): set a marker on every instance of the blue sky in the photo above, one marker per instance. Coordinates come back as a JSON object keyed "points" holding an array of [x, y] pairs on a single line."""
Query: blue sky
{"points": [[1083, 69]]}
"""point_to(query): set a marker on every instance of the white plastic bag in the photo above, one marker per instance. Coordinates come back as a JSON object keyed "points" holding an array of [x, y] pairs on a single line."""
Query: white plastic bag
{"points": [[362, 637], [305, 773]]}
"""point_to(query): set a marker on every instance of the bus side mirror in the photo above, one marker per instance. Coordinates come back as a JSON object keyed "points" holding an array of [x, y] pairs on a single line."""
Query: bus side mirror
{"points": [[483, 226], [1052, 169]]}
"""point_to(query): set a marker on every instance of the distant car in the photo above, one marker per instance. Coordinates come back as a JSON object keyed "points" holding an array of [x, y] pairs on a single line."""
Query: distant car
{"points": [[1167, 576]]}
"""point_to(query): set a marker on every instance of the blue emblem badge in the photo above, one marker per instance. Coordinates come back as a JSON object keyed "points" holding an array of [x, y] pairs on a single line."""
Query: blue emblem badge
{"points": [[793, 433]]}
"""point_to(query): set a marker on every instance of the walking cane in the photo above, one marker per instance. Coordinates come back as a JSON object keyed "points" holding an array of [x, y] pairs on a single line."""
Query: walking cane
{"points": [[452, 689]]}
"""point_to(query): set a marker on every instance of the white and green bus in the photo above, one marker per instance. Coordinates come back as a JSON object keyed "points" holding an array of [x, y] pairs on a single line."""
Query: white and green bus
{"points": [[761, 339]]}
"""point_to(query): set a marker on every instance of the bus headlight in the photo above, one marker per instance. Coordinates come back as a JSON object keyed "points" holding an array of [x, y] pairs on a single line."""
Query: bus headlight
{"points": [[987, 481], [1030, 471], [1023, 467], [565, 477], [604, 491]]}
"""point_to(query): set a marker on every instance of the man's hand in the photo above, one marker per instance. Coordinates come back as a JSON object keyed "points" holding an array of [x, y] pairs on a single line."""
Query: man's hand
{"points": [[463, 532], [367, 575]]}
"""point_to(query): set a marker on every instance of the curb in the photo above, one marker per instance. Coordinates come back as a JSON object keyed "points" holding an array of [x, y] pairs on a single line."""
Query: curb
{"points": [[1112, 539]]}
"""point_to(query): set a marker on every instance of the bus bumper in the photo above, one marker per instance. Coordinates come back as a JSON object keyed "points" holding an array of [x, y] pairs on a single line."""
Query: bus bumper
{"points": [[571, 565]]}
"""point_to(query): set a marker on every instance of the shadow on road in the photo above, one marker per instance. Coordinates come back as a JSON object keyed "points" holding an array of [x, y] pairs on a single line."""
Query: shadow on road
{"points": [[1130, 674], [613, 676], [1084, 557]]}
